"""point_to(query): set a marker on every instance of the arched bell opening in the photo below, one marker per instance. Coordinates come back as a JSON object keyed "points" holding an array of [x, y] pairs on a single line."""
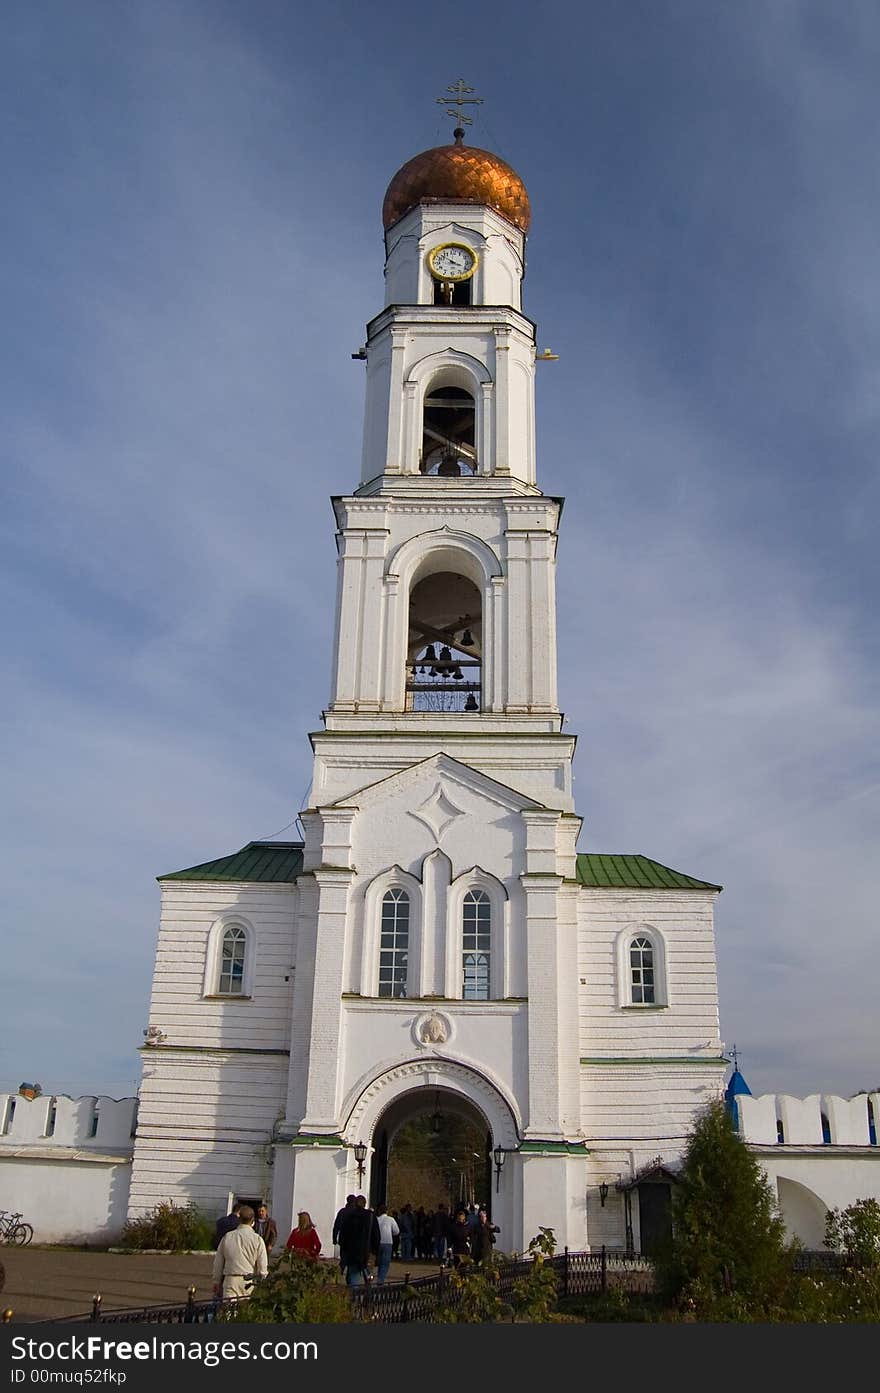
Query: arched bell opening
{"points": [[432, 1147], [449, 448], [444, 648]]}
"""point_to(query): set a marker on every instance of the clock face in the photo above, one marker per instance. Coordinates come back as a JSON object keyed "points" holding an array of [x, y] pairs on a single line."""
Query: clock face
{"points": [[452, 262]]}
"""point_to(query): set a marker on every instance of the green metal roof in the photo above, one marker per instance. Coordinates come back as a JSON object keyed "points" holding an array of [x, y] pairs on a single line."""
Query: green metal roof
{"points": [[282, 862], [268, 861], [606, 871]]}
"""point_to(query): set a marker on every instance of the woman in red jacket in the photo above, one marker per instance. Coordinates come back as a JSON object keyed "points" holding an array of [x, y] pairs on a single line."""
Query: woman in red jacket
{"points": [[304, 1238]]}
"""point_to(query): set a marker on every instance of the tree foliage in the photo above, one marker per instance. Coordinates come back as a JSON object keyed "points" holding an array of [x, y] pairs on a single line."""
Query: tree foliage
{"points": [[297, 1289], [169, 1226], [727, 1236], [855, 1231]]}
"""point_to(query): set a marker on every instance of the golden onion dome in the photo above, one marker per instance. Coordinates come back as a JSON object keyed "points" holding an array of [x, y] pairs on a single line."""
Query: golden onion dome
{"points": [[457, 174]]}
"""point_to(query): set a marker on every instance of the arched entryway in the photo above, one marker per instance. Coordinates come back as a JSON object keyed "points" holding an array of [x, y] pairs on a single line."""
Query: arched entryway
{"points": [[460, 1101], [432, 1147]]}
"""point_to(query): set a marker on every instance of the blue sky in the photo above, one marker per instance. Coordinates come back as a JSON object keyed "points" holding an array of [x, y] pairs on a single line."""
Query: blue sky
{"points": [[192, 245]]}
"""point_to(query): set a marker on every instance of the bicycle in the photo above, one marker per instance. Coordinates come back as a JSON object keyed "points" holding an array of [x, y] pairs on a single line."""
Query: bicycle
{"points": [[13, 1230]]}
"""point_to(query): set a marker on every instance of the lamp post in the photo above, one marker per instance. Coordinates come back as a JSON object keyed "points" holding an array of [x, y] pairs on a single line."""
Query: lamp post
{"points": [[499, 1156], [360, 1156]]}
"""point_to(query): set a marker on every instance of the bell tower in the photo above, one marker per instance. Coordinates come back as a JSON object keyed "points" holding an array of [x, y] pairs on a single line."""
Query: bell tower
{"points": [[446, 613]]}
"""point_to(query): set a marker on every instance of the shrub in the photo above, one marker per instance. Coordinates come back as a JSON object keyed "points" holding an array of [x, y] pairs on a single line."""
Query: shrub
{"points": [[535, 1295], [855, 1231], [169, 1226], [470, 1295], [299, 1290], [728, 1246]]}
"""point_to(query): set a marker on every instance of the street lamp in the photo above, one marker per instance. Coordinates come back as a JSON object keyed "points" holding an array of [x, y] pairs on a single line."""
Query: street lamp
{"points": [[603, 1193], [360, 1156], [499, 1156]]}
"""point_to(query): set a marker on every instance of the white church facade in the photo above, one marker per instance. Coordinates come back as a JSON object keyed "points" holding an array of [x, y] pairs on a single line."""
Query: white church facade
{"points": [[436, 940], [436, 945]]}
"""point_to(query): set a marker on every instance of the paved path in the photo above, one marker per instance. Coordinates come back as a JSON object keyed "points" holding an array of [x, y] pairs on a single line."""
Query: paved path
{"points": [[46, 1283]]}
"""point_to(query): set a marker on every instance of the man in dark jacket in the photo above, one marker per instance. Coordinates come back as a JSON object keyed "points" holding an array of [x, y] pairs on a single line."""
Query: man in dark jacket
{"points": [[358, 1238], [226, 1223], [337, 1222]]}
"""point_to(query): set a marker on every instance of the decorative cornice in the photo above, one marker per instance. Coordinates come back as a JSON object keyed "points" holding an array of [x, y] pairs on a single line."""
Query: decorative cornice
{"points": [[537, 1147], [315, 1139], [716, 1061]]}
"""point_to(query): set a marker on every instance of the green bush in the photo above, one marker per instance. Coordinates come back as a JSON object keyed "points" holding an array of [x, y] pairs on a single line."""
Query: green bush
{"points": [[297, 1290], [728, 1251], [169, 1226], [470, 1295], [535, 1295], [855, 1231]]}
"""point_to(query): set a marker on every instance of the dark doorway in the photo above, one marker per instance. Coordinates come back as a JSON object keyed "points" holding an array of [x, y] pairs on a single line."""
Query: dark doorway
{"points": [[433, 1148], [655, 1217]]}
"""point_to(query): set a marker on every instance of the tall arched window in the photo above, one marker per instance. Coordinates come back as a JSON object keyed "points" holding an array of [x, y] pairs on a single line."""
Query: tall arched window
{"points": [[641, 968], [394, 944], [476, 944], [233, 948]]}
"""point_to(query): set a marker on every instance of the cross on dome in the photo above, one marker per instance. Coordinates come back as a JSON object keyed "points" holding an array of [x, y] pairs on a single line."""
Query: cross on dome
{"points": [[459, 100]]}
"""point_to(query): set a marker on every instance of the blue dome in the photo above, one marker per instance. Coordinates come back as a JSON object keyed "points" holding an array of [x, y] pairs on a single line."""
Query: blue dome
{"points": [[737, 1086]]}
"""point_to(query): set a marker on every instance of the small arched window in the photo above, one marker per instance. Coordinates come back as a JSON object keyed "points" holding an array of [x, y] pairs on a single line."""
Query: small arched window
{"points": [[872, 1124], [476, 943], [826, 1130], [641, 968], [394, 944], [641, 972], [780, 1131], [233, 951]]}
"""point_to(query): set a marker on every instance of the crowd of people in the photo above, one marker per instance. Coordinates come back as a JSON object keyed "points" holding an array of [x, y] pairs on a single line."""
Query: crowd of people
{"points": [[244, 1238]]}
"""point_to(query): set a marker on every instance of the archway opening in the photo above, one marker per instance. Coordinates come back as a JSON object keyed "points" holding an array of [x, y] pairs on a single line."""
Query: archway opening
{"points": [[445, 645], [449, 433], [432, 1147]]}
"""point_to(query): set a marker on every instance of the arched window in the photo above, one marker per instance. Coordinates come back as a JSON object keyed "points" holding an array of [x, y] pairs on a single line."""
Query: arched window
{"points": [[872, 1125], [229, 959], [449, 433], [641, 970], [476, 944], [394, 944], [233, 949], [826, 1129], [780, 1131], [445, 645]]}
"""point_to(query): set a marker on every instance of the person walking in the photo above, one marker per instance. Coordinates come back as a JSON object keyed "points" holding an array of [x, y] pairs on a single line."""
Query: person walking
{"points": [[440, 1229], [459, 1238], [407, 1226], [347, 1207], [240, 1258], [266, 1227], [358, 1238], [304, 1238], [483, 1238], [388, 1231], [226, 1223]]}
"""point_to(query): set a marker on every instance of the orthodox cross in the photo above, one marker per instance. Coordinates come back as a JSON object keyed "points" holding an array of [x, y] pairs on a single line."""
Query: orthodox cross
{"points": [[459, 100]]}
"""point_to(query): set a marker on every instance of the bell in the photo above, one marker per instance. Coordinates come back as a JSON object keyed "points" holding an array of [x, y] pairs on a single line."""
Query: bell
{"points": [[445, 655], [429, 655], [467, 639], [471, 703], [458, 675]]}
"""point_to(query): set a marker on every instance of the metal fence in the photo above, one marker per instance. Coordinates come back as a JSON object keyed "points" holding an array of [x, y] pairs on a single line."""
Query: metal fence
{"points": [[416, 1298]]}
